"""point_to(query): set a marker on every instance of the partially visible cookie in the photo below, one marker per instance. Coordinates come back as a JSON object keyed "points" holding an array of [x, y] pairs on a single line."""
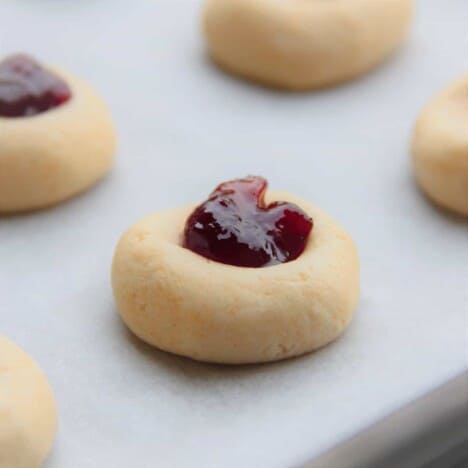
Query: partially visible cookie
{"points": [[299, 45], [440, 148], [56, 135], [28, 417]]}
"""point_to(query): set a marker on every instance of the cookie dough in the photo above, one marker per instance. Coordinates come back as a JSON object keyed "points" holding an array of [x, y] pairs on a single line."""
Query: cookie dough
{"points": [[297, 44], [184, 303], [49, 157], [440, 148], [27, 410]]}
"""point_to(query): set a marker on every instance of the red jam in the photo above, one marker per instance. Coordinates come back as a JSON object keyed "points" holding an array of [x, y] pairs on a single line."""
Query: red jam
{"points": [[27, 89], [236, 227]]}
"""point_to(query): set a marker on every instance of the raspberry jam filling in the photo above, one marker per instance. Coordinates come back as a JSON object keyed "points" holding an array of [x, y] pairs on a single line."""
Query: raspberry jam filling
{"points": [[27, 89], [236, 227]]}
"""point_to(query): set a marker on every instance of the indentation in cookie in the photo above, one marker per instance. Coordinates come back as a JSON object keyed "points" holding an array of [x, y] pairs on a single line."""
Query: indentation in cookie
{"points": [[235, 226], [27, 89]]}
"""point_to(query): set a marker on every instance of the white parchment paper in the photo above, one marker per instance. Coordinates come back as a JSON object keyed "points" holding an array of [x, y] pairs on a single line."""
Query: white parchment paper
{"points": [[183, 127]]}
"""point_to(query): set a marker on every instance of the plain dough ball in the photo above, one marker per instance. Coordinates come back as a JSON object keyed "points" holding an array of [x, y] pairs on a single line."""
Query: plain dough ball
{"points": [[49, 157], [303, 44], [440, 148], [28, 417], [184, 303]]}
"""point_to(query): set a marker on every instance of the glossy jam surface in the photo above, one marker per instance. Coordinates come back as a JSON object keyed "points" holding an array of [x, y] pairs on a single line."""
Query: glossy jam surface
{"points": [[27, 89], [236, 227]]}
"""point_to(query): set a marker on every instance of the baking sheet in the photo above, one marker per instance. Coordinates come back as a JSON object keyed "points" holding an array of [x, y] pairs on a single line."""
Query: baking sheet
{"points": [[183, 127]]}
